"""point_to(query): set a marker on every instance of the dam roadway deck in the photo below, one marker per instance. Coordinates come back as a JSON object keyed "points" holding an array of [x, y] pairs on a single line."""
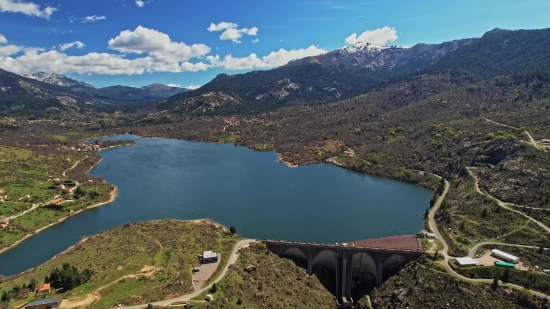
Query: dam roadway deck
{"points": [[353, 263]]}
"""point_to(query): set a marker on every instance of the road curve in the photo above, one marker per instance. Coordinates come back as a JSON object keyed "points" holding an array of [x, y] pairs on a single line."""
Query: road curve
{"points": [[433, 226], [232, 259], [488, 243]]}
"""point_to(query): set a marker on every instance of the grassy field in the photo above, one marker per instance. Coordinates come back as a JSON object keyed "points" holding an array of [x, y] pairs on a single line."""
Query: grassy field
{"points": [[275, 283], [134, 264], [30, 160]]}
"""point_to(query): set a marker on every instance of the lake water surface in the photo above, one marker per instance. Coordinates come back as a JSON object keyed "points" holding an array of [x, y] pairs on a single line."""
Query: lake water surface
{"points": [[165, 178]]}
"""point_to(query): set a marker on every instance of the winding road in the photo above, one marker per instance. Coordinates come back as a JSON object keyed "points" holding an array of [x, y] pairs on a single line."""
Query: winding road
{"points": [[504, 205], [34, 206], [232, 259], [433, 226]]}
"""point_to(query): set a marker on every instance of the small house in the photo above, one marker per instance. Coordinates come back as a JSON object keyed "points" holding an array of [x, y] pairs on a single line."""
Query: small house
{"points": [[57, 202], [43, 288], [209, 257], [4, 223], [60, 188], [57, 181], [52, 303], [209, 297]]}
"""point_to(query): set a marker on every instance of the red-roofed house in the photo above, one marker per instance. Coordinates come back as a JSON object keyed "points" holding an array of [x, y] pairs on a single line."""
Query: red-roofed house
{"points": [[43, 288]]}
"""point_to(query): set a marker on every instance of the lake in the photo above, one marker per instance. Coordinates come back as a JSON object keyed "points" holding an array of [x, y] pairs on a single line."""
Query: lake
{"points": [[164, 178]]}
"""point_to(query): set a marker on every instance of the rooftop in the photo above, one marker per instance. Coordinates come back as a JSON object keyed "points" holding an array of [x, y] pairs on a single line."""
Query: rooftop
{"points": [[44, 287], [44, 302], [209, 254], [409, 242], [466, 261]]}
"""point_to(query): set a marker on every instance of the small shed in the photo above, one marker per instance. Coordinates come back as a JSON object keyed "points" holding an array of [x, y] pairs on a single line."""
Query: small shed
{"points": [[51, 303], [209, 297], [466, 261], [209, 257]]}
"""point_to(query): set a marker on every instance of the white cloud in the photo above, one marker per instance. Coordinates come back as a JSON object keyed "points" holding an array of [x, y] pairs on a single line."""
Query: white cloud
{"points": [[161, 55], [8, 50], [156, 44], [158, 54], [382, 35], [66, 46], [231, 32], [27, 8], [174, 85], [192, 87], [221, 26], [274, 59], [141, 3], [3, 39], [92, 18], [255, 40]]}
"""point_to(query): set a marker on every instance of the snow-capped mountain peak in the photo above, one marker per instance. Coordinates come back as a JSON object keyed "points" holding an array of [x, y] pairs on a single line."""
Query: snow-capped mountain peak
{"points": [[56, 79]]}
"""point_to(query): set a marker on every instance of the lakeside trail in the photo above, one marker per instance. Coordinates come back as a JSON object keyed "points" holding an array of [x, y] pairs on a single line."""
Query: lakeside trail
{"points": [[232, 259], [112, 197], [446, 257]]}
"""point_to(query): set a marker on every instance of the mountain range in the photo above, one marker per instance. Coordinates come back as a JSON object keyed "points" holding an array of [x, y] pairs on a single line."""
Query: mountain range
{"points": [[333, 76], [350, 71], [47, 93]]}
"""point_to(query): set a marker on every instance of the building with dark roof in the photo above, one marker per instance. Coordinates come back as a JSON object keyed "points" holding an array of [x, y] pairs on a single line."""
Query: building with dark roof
{"points": [[52, 303]]}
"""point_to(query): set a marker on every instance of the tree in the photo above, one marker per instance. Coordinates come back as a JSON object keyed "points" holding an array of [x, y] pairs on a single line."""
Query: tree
{"points": [[214, 288], [506, 276], [46, 279], [149, 306], [5, 296], [232, 230], [495, 282], [541, 249], [32, 285], [484, 213]]}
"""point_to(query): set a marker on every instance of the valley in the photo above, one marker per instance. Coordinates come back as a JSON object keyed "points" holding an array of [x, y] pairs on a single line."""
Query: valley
{"points": [[465, 119]]}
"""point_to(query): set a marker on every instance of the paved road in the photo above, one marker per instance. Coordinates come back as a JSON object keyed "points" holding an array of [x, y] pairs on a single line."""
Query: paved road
{"points": [[433, 226], [232, 259]]}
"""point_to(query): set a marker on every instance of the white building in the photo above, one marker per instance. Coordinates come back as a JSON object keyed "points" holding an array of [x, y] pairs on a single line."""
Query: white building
{"points": [[466, 261], [506, 257]]}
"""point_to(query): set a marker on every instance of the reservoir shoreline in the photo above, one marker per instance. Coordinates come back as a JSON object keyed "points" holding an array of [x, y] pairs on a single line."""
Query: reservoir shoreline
{"points": [[104, 219]]}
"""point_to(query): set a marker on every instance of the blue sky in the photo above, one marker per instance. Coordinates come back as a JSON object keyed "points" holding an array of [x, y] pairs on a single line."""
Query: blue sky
{"points": [[189, 42]]}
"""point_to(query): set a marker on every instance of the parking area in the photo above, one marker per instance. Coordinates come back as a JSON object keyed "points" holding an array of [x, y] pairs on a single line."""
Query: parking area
{"points": [[486, 259], [205, 272]]}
